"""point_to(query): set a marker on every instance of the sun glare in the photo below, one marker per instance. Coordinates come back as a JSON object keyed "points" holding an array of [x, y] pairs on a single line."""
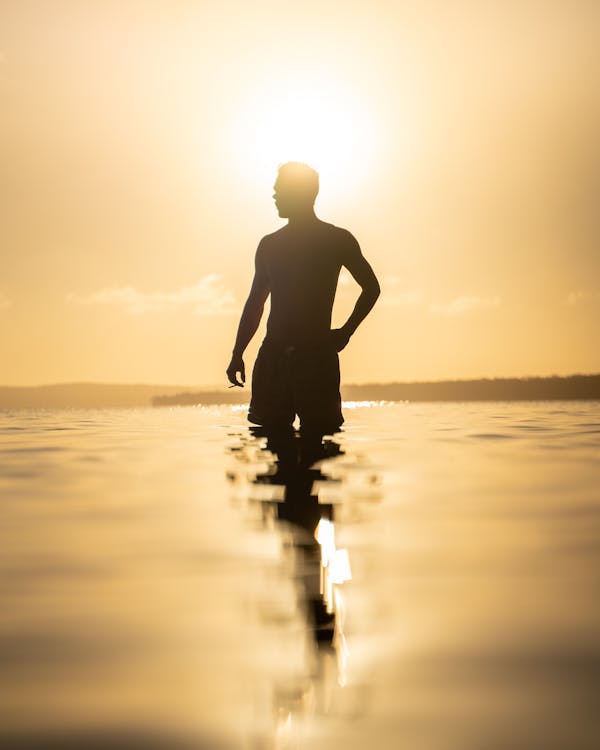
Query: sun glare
{"points": [[311, 121]]}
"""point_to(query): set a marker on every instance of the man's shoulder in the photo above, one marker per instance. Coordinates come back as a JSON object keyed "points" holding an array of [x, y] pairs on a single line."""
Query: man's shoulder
{"points": [[344, 235], [332, 234], [275, 236], [268, 244], [333, 230], [345, 241]]}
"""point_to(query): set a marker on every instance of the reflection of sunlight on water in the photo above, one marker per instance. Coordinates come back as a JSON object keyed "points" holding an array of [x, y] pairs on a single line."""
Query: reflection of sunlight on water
{"points": [[362, 404], [345, 405], [335, 570], [335, 563]]}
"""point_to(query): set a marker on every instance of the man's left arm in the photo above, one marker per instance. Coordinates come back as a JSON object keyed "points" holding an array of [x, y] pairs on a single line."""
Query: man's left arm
{"points": [[363, 274], [250, 319]]}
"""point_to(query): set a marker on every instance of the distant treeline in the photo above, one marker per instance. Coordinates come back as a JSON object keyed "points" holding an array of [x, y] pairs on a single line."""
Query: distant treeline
{"points": [[82, 395], [573, 387], [205, 398], [111, 395]]}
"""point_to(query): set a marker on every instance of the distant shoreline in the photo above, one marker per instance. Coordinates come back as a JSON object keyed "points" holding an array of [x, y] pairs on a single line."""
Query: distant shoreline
{"points": [[111, 395]]}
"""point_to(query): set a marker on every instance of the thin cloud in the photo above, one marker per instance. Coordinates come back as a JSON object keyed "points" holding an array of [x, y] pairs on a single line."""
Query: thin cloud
{"points": [[401, 298], [580, 296], [463, 304], [392, 294], [4, 302], [207, 297]]}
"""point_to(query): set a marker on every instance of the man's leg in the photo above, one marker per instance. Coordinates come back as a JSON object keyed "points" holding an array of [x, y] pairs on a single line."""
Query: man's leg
{"points": [[316, 390], [271, 404]]}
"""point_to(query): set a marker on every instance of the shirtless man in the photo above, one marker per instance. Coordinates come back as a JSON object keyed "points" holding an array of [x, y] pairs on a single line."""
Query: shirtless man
{"points": [[297, 367]]}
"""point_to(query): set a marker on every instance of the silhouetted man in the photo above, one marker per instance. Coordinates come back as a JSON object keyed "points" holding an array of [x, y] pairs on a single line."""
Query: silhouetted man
{"points": [[297, 367]]}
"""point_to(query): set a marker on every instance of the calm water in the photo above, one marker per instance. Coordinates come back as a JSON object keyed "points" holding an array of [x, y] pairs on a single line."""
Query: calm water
{"points": [[161, 586]]}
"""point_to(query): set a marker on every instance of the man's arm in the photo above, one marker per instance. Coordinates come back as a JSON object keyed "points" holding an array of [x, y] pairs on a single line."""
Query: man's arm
{"points": [[249, 321], [365, 277]]}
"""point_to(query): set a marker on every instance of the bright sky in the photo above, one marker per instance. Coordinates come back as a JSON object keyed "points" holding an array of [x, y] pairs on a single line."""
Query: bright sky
{"points": [[139, 142]]}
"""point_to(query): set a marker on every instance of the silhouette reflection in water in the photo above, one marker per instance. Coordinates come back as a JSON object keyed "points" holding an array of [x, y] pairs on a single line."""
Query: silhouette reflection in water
{"points": [[309, 521], [287, 486]]}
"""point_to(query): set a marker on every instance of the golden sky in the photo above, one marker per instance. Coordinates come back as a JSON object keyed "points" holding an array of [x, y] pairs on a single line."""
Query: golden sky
{"points": [[139, 141]]}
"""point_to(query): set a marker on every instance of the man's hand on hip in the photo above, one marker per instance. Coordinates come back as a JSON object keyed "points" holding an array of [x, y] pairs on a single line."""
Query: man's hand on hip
{"points": [[236, 366], [340, 338]]}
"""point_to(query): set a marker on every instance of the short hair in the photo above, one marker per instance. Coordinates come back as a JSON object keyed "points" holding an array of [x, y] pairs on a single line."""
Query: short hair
{"points": [[301, 177]]}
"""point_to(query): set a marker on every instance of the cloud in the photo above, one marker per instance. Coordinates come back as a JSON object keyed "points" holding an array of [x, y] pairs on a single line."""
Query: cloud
{"points": [[575, 298], [401, 298], [463, 304], [207, 297], [392, 294], [4, 301]]}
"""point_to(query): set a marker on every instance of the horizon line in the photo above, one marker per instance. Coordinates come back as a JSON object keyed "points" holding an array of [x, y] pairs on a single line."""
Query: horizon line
{"points": [[225, 385]]}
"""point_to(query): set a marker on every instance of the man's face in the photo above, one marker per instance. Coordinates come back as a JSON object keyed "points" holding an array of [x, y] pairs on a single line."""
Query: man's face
{"points": [[281, 198], [289, 200]]}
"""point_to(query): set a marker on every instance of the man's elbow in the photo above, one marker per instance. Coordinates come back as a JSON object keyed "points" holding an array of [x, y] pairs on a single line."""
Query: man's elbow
{"points": [[374, 290], [369, 295]]}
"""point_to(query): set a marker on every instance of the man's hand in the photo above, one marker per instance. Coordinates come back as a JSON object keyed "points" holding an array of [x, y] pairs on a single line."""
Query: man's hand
{"points": [[340, 338], [236, 365]]}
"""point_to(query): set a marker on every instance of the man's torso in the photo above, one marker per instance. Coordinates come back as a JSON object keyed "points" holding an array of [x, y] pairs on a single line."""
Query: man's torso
{"points": [[302, 269]]}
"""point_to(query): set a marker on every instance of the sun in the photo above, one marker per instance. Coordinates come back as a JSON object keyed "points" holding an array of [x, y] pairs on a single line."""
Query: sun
{"points": [[307, 119]]}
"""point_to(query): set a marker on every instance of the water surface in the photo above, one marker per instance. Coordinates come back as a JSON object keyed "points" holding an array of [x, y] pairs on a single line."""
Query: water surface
{"points": [[159, 590]]}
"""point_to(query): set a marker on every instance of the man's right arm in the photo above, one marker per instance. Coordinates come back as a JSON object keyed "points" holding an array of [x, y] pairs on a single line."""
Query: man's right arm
{"points": [[250, 320], [363, 274]]}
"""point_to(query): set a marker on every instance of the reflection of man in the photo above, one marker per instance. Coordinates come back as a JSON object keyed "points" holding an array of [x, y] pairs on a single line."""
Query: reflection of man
{"points": [[297, 367], [294, 464]]}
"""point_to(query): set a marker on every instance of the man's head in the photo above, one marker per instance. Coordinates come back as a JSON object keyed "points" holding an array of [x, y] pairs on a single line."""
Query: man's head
{"points": [[296, 188]]}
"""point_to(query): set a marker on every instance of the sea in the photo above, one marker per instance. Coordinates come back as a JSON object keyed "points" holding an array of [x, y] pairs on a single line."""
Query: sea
{"points": [[427, 578]]}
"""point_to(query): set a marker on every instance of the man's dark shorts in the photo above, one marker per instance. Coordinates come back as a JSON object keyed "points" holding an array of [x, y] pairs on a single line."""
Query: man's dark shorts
{"points": [[302, 380]]}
